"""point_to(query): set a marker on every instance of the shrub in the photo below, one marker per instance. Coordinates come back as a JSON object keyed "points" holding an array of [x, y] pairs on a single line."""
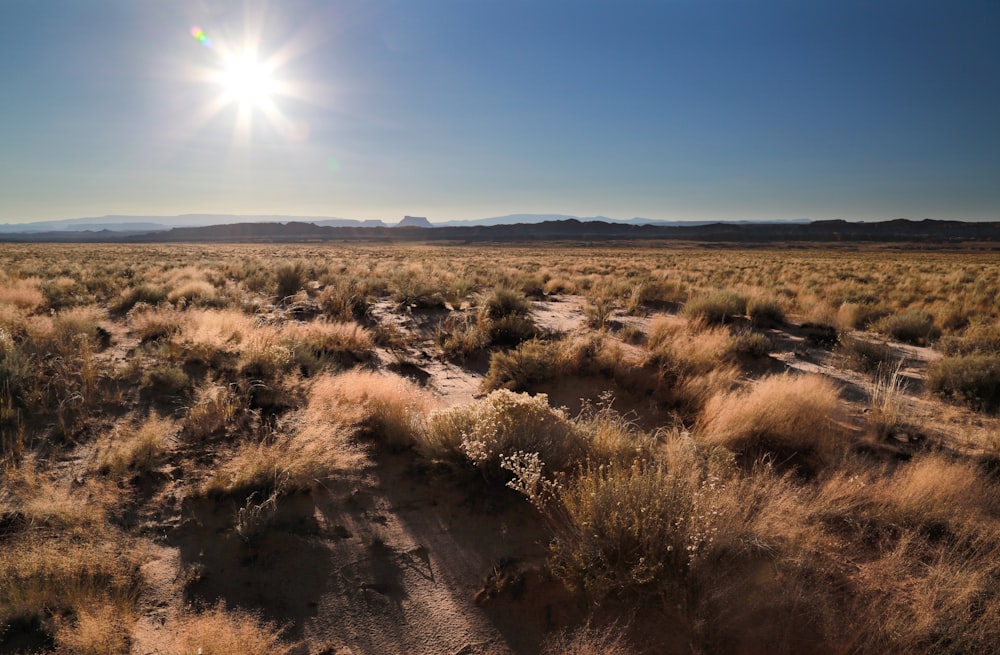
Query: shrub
{"points": [[764, 312], [716, 307], [97, 630], [913, 326], [285, 462], [885, 413], [192, 291], [144, 293], [509, 330], [153, 324], [865, 355], [343, 301], [317, 344], [971, 379], [387, 407], [598, 312], [458, 336], [979, 337], [228, 632], [289, 278], [503, 303], [501, 424], [788, 418], [517, 369], [683, 348], [656, 293], [167, 379], [137, 447], [216, 408], [60, 293], [17, 375], [45, 575], [70, 324], [753, 344], [860, 315], [587, 641]]}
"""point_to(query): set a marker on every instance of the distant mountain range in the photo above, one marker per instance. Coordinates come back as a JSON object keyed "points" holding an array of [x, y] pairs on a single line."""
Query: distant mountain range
{"points": [[146, 224], [571, 229]]}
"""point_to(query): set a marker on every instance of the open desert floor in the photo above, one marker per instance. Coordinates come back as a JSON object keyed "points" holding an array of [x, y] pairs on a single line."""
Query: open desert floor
{"points": [[503, 449]]}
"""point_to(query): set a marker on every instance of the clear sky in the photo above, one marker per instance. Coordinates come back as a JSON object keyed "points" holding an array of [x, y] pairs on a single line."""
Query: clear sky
{"points": [[450, 109]]}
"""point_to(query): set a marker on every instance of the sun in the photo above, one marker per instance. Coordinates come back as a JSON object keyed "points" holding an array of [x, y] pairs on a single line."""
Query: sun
{"points": [[251, 84], [247, 82]]}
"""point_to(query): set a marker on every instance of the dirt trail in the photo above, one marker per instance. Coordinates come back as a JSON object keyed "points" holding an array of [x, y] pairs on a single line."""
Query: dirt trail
{"points": [[390, 560]]}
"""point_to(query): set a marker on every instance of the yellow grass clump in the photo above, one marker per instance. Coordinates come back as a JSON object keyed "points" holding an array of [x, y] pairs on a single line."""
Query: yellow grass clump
{"points": [[219, 631], [388, 407], [285, 462], [792, 419], [23, 293], [135, 447]]}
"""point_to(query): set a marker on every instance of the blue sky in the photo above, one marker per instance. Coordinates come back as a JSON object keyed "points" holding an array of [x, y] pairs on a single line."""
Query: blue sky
{"points": [[458, 109]]}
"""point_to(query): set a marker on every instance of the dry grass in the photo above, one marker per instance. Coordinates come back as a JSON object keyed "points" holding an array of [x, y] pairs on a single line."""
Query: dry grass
{"points": [[96, 630], [219, 631], [386, 407], [886, 402], [318, 344], [30, 496], [215, 410], [588, 641], [287, 462], [192, 292], [43, 577], [150, 324], [866, 554], [23, 293], [790, 419], [135, 448]]}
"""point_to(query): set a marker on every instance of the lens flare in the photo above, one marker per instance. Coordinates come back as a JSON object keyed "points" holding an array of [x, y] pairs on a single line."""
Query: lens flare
{"points": [[200, 36]]}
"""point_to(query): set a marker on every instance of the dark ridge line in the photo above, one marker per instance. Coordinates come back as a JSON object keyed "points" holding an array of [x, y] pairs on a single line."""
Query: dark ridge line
{"points": [[834, 231]]}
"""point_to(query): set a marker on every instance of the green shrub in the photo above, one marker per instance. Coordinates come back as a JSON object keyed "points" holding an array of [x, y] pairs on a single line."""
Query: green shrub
{"points": [[289, 278], [530, 362], [865, 355], [973, 379], [145, 293], [509, 330], [765, 313], [167, 380], [979, 337], [503, 303], [913, 326], [716, 307]]}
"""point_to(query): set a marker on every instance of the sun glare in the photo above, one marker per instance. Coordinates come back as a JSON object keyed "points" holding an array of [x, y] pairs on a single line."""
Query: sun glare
{"points": [[250, 84], [247, 82]]}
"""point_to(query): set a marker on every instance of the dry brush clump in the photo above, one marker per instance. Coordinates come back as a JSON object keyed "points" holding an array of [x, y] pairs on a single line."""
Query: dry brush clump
{"points": [[973, 379], [792, 420], [297, 457], [222, 631], [727, 554], [504, 422], [385, 407], [65, 585], [136, 447], [716, 307]]}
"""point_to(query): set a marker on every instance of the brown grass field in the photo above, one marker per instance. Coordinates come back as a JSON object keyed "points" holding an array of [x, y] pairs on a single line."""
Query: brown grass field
{"points": [[502, 449]]}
